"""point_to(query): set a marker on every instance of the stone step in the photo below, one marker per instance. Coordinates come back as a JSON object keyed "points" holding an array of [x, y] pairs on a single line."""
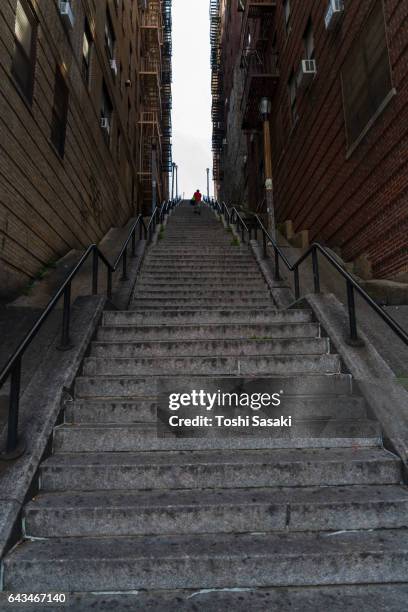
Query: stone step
{"points": [[246, 365], [198, 293], [152, 284], [185, 332], [229, 316], [216, 469], [232, 268], [198, 277], [173, 512], [375, 598], [208, 303], [131, 386], [145, 409], [211, 348], [207, 561], [121, 438]]}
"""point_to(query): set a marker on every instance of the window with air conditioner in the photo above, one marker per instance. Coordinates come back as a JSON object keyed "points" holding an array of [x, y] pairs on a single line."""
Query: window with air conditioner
{"points": [[366, 75], [59, 112], [86, 52], [110, 39], [106, 113], [308, 41], [292, 90], [287, 13], [25, 35]]}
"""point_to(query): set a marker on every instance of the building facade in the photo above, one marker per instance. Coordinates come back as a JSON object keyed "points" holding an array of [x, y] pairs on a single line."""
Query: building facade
{"points": [[80, 81], [336, 75]]}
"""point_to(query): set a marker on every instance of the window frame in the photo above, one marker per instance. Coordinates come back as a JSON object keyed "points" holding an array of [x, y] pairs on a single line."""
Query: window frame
{"points": [[26, 89], [110, 36], [86, 66], [59, 118], [353, 140]]}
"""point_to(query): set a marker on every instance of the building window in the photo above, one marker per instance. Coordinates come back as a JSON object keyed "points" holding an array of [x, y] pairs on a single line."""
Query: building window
{"points": [[118, 144], [366, 75], [86, 52], [106, 113], [286, 12], [25, 34], [59, 112], [292, 96], [308, 41], [109, 37]]}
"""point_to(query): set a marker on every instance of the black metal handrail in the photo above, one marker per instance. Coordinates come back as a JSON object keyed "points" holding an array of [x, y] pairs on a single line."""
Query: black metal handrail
{"points": [[13, 367], [352, 285]]}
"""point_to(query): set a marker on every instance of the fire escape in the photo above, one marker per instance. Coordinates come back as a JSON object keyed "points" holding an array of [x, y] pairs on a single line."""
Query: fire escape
{"points": [[217, 111], [166, 165], [258, 60], [150, 136]]}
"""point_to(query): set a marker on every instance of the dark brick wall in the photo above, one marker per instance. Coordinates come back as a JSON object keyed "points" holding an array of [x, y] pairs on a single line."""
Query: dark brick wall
{"points": [[50, 205], [353, 199]]}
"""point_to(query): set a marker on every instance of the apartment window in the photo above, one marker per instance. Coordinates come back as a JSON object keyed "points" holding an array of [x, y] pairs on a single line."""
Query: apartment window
{"points": [[25, 34], [308, 41], [286, 12], [86, 52], [109, 37], [366, 75], [118, 144], [106, 113], [292, 96], [59, 112]]}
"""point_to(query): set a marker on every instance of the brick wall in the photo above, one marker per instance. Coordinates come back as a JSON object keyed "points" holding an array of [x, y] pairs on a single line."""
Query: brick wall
{"points": [[49, 204], [355, 199]]}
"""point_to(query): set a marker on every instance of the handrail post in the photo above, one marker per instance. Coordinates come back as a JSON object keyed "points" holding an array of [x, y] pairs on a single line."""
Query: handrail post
{"points": [[353, 340], [277, 274], [95, 266], [297, 284], [14, 405], [134, 242], [265, 251], [109, 283], [124, 266], [243, 232], [66, 319], [316, 275]]}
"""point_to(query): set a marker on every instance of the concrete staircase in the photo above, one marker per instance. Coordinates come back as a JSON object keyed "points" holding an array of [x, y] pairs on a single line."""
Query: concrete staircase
{"points": [[122, 510]]}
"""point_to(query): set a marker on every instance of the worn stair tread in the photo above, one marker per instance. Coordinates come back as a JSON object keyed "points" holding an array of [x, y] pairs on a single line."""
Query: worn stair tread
{"points": [[307, 434], [373, 598], [208, 561], [244, 365], [144, 409], [227, 510], [353, 494]]}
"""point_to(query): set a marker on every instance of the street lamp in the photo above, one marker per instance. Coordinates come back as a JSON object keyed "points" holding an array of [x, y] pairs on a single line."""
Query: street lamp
{"points": [[176, 181], [265, 108], [208, 183]]}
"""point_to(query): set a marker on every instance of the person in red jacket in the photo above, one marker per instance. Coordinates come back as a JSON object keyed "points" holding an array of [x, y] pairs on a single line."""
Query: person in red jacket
{"points": [[197, 198]]}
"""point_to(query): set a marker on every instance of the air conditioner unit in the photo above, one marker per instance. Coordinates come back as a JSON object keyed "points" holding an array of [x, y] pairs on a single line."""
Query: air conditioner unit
{"points": [[334, 14], [105, 125], [307, 72], [66, 14], [114, 67]]}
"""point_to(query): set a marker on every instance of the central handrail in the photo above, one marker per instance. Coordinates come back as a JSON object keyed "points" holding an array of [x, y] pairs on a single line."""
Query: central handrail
{"points": [[351, 284], [13, 366]]}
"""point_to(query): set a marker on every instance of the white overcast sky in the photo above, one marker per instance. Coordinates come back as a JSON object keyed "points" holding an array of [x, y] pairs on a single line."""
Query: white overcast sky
{"points": [[191, 95]]}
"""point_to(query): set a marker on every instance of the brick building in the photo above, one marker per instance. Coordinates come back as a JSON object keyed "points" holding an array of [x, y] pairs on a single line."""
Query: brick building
{"points": [[339, 120], [85, 96]]}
